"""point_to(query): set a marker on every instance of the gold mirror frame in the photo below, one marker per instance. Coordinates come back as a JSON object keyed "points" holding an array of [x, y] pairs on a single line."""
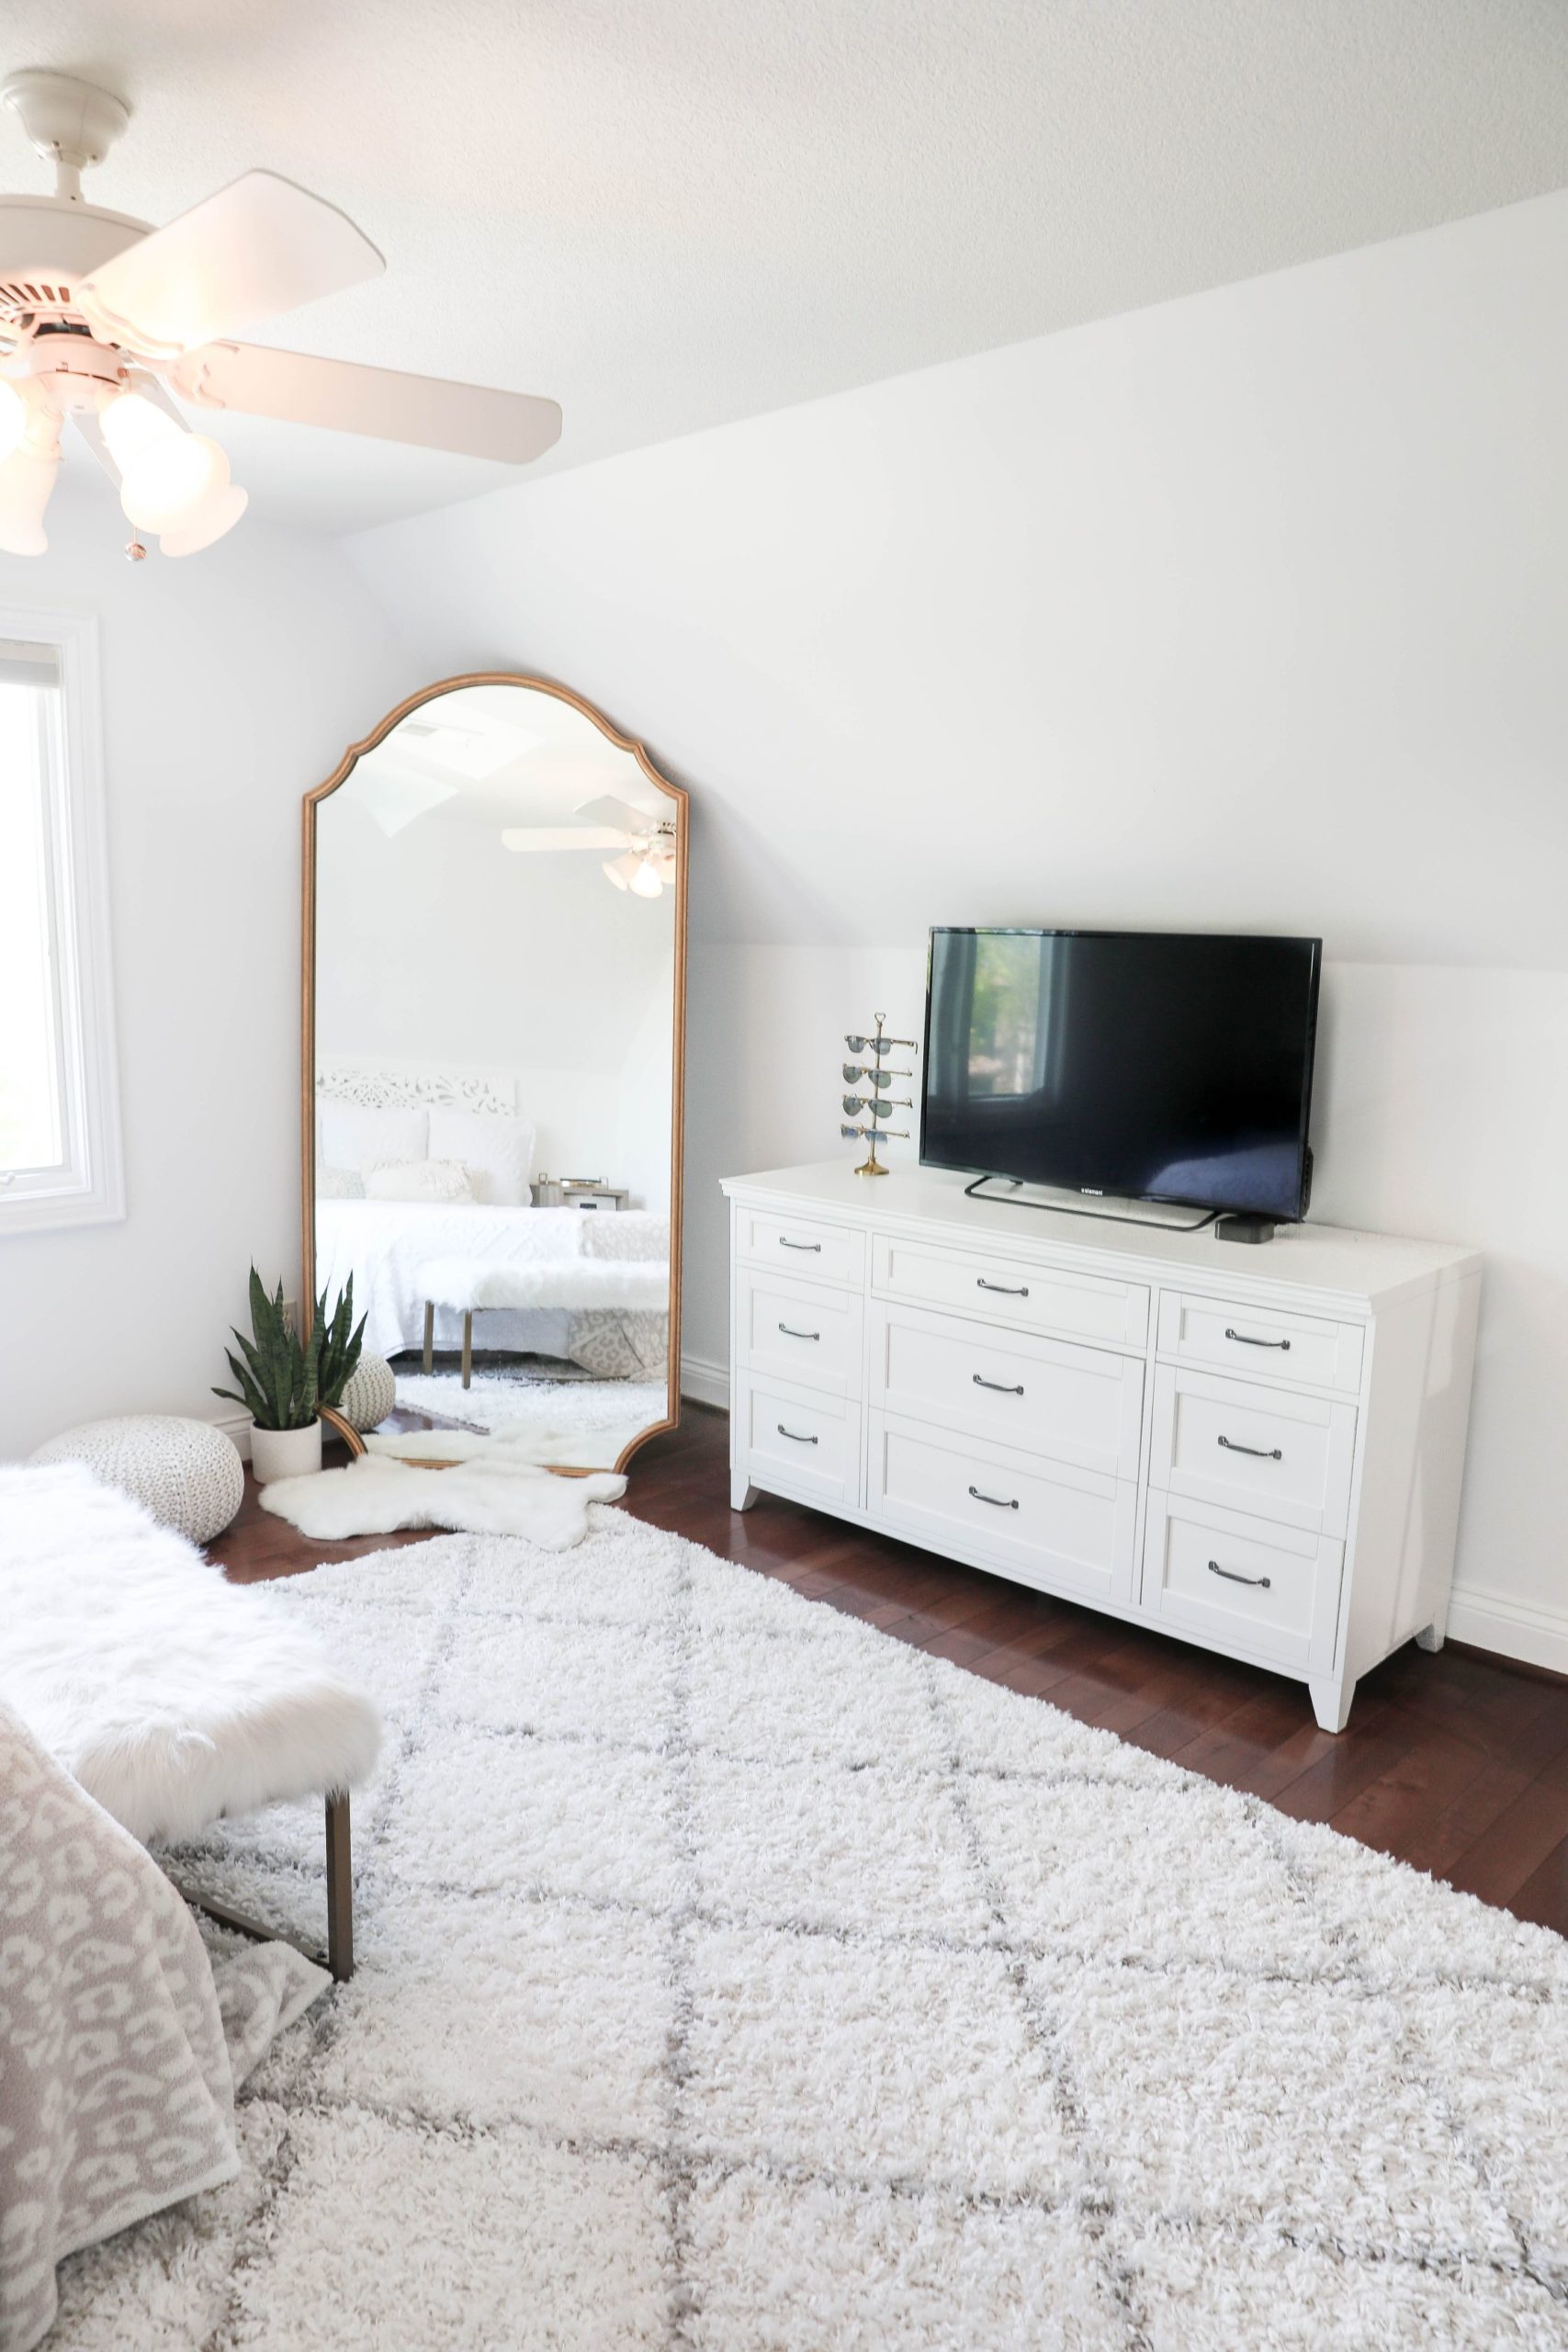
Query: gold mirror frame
{"points": [[313, 801]]}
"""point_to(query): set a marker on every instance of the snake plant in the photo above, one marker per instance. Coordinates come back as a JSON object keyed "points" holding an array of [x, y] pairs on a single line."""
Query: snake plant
{"points": [[283, 1381]]}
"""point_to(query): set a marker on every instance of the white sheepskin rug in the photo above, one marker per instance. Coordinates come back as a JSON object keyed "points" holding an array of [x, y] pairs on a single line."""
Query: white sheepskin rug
{"points": [[496, 1493], [734, 1979]]}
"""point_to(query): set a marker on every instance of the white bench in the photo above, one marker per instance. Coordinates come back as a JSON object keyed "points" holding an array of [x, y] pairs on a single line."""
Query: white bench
{"points": [[573, 1286], [174, 1696]]}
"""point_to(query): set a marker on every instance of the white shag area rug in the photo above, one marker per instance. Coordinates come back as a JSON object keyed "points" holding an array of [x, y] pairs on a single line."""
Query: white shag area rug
{"points": [[585, 1423], [733, 1979]]}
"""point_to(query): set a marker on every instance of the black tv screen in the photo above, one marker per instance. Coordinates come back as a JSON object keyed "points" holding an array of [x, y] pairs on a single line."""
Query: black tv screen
{"points": [[1161, 1066]]}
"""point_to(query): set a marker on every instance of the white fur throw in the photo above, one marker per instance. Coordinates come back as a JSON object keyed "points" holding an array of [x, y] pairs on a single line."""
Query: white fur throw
{"points": [[171, 1695], [633, 1286], [496, 1493]]}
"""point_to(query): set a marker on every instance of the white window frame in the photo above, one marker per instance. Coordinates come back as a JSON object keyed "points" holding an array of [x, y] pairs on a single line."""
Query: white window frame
{"points": [[90, 1190]]}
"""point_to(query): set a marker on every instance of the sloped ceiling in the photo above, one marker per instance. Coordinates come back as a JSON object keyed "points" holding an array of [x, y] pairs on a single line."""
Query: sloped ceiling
{"points": [[672, 214]]}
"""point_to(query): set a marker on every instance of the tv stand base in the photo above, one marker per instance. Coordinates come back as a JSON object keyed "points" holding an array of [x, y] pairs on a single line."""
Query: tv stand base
{"points": [[1237, 1227]]}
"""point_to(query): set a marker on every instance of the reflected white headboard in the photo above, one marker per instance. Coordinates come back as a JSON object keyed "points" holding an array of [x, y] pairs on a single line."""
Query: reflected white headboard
{"points": [[393, 1085]]}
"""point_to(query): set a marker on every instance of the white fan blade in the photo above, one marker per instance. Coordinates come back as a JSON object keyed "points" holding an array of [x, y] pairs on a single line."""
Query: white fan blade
{"points": [[536, 837], [608, 810], [426, 410], [87, 425], [259, 246]]}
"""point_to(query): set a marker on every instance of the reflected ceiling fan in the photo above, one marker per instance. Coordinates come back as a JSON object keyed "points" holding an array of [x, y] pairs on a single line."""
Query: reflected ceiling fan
{"points": [[647, 842], [102, 317]]}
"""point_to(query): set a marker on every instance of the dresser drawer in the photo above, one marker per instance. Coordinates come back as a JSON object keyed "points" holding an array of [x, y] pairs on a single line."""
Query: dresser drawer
{"points": [[800, 1332], [797, 1439], [802, 1245], [1242, 1583], [1009, 1291], [1059, 1529], [1267, 1451], [1261, 1342], [1076, 1405]]}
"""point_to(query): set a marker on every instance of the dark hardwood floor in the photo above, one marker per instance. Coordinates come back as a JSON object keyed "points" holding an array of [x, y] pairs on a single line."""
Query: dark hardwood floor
{"points": [[1457, 1763]]}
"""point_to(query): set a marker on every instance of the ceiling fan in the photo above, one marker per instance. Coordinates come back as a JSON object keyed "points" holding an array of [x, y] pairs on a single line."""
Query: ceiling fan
{"points": [[101, 318], [647, 842]]}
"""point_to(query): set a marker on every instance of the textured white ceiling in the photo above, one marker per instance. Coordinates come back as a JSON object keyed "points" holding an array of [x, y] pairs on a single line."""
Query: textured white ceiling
{"points": [[670, 214]]}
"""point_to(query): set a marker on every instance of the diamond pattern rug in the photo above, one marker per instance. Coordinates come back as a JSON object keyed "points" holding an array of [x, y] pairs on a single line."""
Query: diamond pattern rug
{"points": [[735, 1979]]}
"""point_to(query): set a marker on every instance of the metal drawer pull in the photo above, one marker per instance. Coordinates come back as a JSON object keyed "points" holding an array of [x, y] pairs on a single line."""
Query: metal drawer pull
{"points": [[1000, 1501], [1256, 1343], [981, 1284], [1258, 1453], [1230, 1575], [796, 1436], [1000, 1385], [785, 1244], [791, 1333]]}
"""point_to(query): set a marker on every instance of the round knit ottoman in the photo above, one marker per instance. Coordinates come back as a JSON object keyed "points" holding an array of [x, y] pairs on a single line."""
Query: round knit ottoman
{"points": [[185, 1472], [371, 1393]]}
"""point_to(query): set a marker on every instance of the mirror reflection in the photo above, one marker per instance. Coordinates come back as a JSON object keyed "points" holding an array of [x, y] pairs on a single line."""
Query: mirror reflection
{"points": [[498, 930]]}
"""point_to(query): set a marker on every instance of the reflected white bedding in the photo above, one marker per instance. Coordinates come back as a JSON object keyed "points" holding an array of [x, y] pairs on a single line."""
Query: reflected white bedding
{"points": [[383, 1244]]}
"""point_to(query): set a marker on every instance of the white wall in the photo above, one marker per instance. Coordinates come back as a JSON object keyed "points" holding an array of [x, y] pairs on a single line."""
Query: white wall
{"points": [[231, 682], [1248, 611]]}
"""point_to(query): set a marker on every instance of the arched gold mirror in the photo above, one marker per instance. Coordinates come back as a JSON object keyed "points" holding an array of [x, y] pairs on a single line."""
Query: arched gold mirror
{"points": [[494, 983]]}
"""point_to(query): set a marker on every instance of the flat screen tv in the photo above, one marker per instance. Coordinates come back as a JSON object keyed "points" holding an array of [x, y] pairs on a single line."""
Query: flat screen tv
{"points": [[1158, 1066]]}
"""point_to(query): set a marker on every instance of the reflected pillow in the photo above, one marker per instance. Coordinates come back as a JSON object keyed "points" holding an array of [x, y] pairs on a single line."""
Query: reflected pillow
{"points": [[338, 1184], [419, 1179], [349, 1135], [495, 1147]]}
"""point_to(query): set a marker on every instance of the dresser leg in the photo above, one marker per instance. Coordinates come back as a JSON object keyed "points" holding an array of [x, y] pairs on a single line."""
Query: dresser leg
{"points": [[1331, 1704], [741, 1496], [1431, 1638]]}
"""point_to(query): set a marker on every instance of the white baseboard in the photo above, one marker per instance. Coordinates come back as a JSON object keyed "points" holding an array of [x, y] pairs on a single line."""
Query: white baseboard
{"points": [[1520, 1629], [236, 1426], [705, 1383]]}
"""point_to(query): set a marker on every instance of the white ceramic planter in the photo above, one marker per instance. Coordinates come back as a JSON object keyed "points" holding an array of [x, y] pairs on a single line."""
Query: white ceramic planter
{"points": [[285, 1453]]}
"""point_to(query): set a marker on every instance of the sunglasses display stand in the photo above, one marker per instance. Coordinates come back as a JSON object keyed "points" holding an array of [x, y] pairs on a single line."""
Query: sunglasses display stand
{"points": [[875, 1046]]}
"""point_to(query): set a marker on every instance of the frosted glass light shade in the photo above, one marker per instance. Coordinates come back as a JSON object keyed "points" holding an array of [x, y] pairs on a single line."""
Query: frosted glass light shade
{"points": [[173, 483], [645, 882], [131, 424]]}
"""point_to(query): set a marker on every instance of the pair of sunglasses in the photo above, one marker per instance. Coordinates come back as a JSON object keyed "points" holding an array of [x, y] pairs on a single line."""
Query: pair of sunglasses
{"points": [[880, 1079], [856, 1104], [878, 1045], [876, 1134]]}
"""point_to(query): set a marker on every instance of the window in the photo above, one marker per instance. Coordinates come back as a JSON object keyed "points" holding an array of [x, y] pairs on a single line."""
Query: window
{"points": [[59, 1115]]}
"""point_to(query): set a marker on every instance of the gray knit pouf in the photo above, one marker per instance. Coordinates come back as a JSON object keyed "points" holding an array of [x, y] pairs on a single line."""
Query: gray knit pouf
{"points": [[188, 1474], [371, 1393]]}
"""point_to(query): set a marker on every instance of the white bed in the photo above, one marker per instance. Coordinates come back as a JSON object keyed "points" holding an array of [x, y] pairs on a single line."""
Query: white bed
{"points": [[384, 1244]]}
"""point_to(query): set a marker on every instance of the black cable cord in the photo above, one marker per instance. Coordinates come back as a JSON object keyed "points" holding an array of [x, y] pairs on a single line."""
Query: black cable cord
{"points": [[1061, 1208]]}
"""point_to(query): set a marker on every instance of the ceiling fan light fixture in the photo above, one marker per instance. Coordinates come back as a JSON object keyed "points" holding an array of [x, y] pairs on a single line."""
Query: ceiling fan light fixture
{"points": [[646, 882], [620, 870]]}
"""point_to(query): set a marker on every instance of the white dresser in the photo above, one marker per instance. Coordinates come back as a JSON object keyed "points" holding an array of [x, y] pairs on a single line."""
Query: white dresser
{"points": [[1255, 1449]]}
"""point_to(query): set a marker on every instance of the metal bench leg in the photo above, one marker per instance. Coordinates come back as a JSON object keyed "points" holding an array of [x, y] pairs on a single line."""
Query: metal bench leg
{"points": [[339, 1954], [340, 1891], [429, 1334], [467, 1347]]}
